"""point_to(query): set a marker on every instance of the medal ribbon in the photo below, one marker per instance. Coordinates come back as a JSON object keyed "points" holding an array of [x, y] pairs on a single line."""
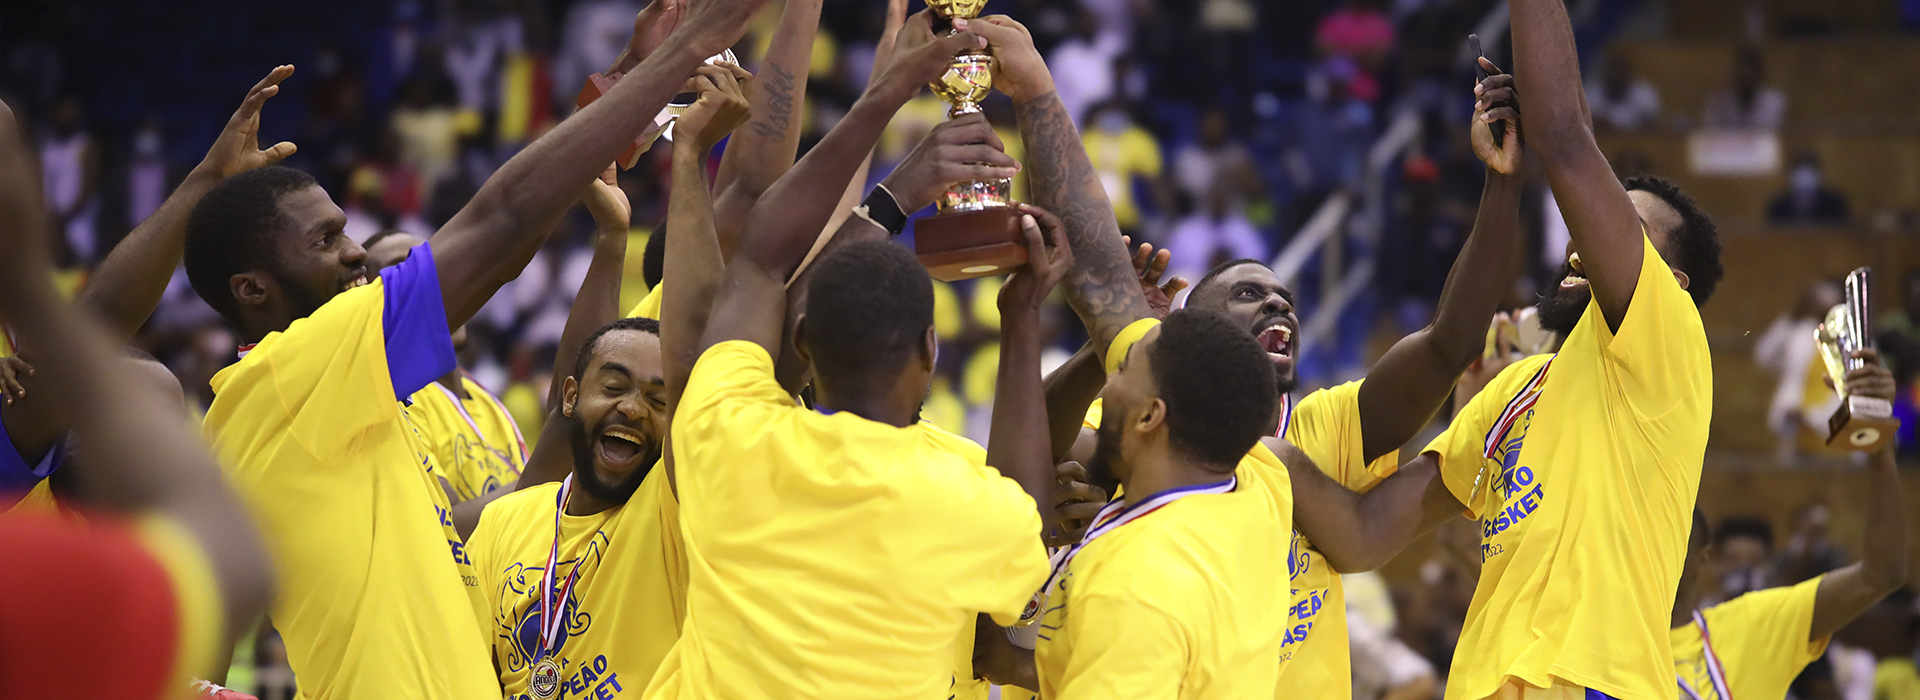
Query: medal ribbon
{"points": [[1716, 673], [553, 601], [462, 408], [244, 349], [1286, 416], [1120, 513]]}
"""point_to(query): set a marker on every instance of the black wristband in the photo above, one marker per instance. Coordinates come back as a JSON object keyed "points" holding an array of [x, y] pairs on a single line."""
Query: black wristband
{"points": [[883, 210]]}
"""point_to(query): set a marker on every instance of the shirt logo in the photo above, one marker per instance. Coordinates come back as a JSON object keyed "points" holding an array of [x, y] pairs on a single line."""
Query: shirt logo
{"points": [[518, 625]]}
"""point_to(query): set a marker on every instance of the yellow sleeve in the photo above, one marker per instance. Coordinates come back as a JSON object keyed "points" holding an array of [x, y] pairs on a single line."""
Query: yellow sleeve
{"points": [[196, 592], [1326, 426], [649, 306], [735, 371], [1762, 636], [1659, 356], [1122, 648], [1461, 449], [330, 369]]}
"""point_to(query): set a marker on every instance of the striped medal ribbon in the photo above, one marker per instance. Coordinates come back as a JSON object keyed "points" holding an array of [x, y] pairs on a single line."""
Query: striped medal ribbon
{"points": [[1716, 673], [1517, 406], [543, 682]]}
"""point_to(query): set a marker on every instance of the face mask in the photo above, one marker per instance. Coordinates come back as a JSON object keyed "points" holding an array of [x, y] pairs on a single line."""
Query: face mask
{"points": [[1114, 122], [1805, 179]]}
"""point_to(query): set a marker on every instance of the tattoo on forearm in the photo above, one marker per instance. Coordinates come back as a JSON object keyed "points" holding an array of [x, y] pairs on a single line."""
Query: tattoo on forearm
{"points": [[1101, 287], [779, 115]]}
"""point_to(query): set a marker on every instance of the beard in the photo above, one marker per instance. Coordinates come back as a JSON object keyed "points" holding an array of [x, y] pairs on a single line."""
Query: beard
{"points": [[589, 478], [1106, 453], [305, 302], [1560, 309]]}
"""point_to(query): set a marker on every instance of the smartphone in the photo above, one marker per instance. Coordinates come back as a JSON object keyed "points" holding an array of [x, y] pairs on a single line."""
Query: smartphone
{"points": [[1473, 44]]}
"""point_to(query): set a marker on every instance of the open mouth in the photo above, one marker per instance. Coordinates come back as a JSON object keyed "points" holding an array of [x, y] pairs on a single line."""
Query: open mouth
{"points": [[1572, 282], [619, 446], [1277, 340]]}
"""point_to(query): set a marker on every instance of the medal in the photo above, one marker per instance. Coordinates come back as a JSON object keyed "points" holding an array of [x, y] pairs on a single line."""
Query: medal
{"points": [[544, 682]]}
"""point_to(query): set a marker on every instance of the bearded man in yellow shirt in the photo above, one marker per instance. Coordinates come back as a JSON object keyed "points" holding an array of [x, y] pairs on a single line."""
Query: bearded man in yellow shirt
{"points": [[1754, 645], [1582, 466], [378, 595]]}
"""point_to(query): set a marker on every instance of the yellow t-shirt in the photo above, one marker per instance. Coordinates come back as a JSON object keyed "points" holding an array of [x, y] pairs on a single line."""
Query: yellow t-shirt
{"points": [[1584, 532], [1760, 638], [1314, 651], [626, 607], [473, 462], [832, 556], [649, 306], [1118, 159], [1188, 601], [377, 595]]}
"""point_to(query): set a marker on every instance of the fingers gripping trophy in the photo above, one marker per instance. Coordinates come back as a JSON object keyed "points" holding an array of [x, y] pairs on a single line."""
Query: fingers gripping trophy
{"points": [[976, 232], [1862, 423]]}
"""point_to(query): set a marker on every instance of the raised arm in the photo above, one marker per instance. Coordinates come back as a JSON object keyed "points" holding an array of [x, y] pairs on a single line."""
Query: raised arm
{"points": [[1412, 380], [758, 155], [1845, 594], [130, 282], [490, 241], [1073, 386], [1605, 227], [790, 216], [1101, 286], [140, 459], [693, 249], [1361, 532], [1017, 444]]}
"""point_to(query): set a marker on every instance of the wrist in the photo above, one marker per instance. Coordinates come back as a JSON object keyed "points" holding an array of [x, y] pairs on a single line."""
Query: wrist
{"points": [[1041, 88], [205, 173]]}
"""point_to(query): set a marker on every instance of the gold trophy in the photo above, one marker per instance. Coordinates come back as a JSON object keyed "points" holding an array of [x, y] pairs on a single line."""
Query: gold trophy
{"points": [[977, 230], [1862, 423]]}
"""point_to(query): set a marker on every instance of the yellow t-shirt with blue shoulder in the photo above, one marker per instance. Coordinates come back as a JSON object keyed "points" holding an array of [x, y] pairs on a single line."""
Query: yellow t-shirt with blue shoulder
{"points": [[474, 441], [1188, 601], [831, 556], [377, 594], [1760, 639], [626, 607], [1582, 469], [649, 306]]}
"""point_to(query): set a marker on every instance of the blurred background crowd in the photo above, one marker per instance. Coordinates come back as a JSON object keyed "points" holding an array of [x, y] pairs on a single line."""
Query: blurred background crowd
{"points": [[1326, 136]]}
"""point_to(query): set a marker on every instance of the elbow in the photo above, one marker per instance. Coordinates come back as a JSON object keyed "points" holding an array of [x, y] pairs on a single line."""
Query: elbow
{"points": [[1886, 578]]}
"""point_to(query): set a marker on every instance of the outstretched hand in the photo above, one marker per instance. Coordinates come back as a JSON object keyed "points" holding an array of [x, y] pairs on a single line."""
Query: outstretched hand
{"points": [[1496, 106], [919, 57], [1075, 503], [1152, 268], [1018, 69], [956, 150], [608, 203], [650, 29], [721, 107], [1048, 259], [237, 149]]}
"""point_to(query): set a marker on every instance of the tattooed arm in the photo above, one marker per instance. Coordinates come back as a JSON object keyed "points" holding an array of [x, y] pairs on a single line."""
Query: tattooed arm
{"points": [[1102, 286], [760, 153]]}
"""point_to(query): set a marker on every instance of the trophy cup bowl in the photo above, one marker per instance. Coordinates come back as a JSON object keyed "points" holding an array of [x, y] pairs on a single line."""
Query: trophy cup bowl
{"points": [[1861, 423], [600, 84], [977, 229]]}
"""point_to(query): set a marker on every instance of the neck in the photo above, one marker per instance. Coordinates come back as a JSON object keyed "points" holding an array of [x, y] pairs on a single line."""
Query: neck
{"points": [[452, 382], [582, 503], [1147, 480], [876, 406], [1683, 607]]}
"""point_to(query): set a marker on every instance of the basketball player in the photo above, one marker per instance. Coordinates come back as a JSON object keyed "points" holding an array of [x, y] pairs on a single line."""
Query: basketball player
{"points": [[379, 597], [1584, 520], [133, 602], [1174, 590], [854, 540], [1754, 645], [124, 291]]}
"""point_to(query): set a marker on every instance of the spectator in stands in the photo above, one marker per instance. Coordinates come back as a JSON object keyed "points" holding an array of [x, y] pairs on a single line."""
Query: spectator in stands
{"points": [[1125, 155], [1622, 101], [1811, 550], [1744, 552], [1747, 103], [1082, 66], [69, 169], [149, 176], [1211, 234], [1329, 137], [1807, 199], [1217, 161], [1359, 31], [1787, 348], [427, 122]]}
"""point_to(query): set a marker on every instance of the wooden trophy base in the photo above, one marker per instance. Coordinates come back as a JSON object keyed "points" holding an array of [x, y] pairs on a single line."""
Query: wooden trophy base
{"points": [[1862, 424], [966, 245]]}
